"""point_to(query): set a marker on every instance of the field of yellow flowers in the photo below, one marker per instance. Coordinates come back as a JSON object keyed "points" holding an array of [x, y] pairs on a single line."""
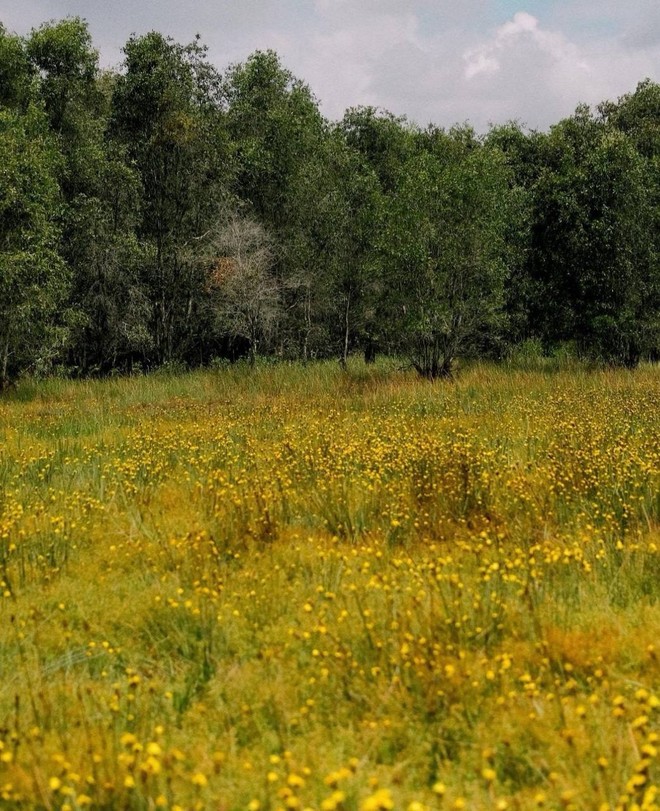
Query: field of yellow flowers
{"points": [[302, 588]]}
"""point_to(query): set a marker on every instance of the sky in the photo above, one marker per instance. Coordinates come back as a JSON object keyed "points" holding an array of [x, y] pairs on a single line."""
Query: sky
{"points": [[442, 61]]}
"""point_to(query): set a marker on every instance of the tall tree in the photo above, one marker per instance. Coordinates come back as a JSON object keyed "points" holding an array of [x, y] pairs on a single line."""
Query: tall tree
{"points": [[167, 114], [385, 141], [67, 65], [522, 155], [593, 253], [444, 246], [275, 124], [637, 114], [331, 241], [33, 278], [100, 196], [354, 221], [279, 139], [17, 74]]}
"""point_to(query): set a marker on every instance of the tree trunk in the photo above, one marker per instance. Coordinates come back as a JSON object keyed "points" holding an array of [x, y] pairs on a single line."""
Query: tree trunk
{"points": [[254, 341], [308, 324], [370, 351], [344, 358], [432, 362], [4, 381]]}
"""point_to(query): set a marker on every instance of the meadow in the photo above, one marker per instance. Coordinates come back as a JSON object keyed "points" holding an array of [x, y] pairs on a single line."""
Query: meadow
{"points": [[295, 587]]}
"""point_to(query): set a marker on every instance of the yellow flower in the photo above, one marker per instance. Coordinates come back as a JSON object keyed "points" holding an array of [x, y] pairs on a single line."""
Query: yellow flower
{"points": [[154, 749], [333, 801], [295, 781], [151, 765], [380, 800]]}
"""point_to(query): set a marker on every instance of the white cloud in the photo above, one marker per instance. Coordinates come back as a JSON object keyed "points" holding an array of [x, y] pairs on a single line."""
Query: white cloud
{"points": [[433, 60], [385, 55], [522, 30], [480, 62], [340, 59]]}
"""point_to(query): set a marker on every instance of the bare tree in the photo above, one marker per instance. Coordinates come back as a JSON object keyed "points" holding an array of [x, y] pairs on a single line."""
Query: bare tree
{"points": [[246, 295]]}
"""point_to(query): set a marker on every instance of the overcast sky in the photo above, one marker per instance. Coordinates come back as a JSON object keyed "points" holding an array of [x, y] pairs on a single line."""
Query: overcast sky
{"points": [[444, 61]]}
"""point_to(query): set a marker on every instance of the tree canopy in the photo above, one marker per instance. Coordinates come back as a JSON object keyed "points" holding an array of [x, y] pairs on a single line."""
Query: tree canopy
{"points": [[166, 212]]}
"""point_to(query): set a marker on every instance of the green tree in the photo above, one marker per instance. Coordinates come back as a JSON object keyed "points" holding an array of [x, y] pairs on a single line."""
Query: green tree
{"points": [[354, 221], [638, 116], [64, 54], [109, 312], [305, 258], [67, 66], [275, 126], [331, 239], [33, 279], [593, 247], [17, 75], [444, 247], [381, 144], [385, 142], [521, 154], [167, 115], [283, 173], [106, 311]]}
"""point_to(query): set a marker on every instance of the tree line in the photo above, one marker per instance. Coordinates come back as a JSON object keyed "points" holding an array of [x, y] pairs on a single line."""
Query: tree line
{"points": [[167, 213]]}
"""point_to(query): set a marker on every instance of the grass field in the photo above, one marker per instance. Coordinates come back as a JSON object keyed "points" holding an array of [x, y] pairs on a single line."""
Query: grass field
{"points": [[292, 588]]}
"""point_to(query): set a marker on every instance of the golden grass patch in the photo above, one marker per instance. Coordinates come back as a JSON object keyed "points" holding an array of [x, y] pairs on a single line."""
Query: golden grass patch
{"points": [[291, 588]]}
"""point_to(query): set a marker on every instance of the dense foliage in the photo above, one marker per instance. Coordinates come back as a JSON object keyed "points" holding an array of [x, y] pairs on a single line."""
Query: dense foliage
{"points": [[170, 214]]}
